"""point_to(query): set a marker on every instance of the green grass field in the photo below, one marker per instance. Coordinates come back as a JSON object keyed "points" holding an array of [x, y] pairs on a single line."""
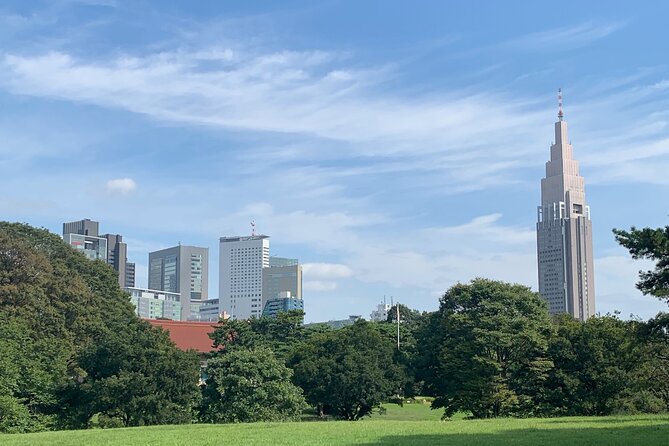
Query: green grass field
{"points": [[396, 427]]}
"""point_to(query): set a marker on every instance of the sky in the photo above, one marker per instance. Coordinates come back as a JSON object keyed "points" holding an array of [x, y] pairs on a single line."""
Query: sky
{"points": [[395, 148]]}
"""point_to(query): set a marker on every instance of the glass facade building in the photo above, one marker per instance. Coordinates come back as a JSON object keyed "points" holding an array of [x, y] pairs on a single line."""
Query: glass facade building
{"points": [[184, 270]]}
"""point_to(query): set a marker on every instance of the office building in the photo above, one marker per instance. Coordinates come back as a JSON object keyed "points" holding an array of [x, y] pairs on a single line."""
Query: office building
{"points": [[117, 257], [282, 261], [242, 260], [282, 302], [84, 236], [154, 304], [184, 270], [564, 233], [277, 279]]}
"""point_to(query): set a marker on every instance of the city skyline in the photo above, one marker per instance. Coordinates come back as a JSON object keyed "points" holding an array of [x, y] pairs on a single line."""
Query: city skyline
{"points": [[394, 151]]}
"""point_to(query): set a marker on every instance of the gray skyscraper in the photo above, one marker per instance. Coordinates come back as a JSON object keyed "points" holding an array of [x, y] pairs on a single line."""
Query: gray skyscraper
{"points": [[117, 256], [564, 233], [181, 269]]}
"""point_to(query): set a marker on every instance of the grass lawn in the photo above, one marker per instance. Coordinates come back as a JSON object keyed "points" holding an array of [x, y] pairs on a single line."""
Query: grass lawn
{"points": [[409, 412], [627, 430]]}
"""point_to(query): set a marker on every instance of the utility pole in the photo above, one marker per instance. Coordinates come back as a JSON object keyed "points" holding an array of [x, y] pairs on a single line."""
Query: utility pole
{"points": [[397, 307]]}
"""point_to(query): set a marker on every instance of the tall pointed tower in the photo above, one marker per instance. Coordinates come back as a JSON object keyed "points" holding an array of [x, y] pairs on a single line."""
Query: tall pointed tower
{"points": [[564, 232]]}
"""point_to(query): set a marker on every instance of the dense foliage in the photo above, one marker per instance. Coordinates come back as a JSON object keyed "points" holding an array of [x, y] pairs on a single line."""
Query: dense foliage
{"points": [[348, 372], [246, 381], [485, 350], [74, 355], [246, 385], [71, 347]]}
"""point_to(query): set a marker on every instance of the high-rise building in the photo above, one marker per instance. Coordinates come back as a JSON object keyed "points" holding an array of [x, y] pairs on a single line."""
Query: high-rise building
{"points": [[564, 233], [84, 235], [181, 269], [242, 260], [278, 279], [129, 274], [117, 256]]}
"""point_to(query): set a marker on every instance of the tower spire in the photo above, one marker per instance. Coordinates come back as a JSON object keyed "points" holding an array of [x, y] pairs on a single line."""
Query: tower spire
{"points": [[560, 113]]}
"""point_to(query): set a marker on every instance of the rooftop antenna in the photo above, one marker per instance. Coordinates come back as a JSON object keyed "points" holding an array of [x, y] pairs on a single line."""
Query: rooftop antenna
{"points": [[253, 228], [560, 113]]}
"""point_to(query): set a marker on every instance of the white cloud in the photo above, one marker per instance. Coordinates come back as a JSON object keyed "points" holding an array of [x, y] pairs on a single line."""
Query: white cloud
{"points": [[121, 185], [319, 285], [298, 92], [615, 279], [326, 271]]}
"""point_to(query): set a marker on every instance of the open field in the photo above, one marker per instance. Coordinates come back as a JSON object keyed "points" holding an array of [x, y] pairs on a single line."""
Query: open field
{"points": [[627, 430]]}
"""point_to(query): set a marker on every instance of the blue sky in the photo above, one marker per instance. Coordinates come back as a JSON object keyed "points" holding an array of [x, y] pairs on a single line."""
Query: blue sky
{"points": [[395, 148]]}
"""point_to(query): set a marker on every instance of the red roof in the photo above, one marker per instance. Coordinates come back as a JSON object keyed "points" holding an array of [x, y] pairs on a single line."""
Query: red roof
{"points": [[188, 335]]}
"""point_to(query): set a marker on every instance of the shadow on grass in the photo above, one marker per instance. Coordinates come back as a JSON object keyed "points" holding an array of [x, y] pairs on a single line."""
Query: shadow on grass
{"points": [[612, 419], [657, 434]]}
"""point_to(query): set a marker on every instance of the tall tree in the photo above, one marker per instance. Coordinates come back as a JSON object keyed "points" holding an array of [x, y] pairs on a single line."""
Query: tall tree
{"points": [[86, 342], [592, 365], [247, 385], [484, 351], [348, 372]]}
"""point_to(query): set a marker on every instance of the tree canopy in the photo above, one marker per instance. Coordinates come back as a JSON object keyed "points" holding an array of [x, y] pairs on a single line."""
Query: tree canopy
{"points": [[247, 385], [72, 347], [485, 350], [347, 372]]}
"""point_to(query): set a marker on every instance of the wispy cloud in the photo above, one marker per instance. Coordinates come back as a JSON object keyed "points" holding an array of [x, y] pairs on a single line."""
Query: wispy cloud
{"points": [[295, 92], [560, 39]]}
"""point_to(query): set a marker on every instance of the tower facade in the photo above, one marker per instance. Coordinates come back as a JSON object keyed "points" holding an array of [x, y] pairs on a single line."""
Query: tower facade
{"points": [[564, 233], [184, 270], [242, 260]]}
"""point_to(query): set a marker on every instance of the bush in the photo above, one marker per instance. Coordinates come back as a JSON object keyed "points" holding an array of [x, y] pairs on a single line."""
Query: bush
{"points": [[631, 403]]}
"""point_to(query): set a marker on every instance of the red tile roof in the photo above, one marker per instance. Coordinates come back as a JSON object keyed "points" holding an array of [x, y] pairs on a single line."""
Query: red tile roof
{"points": [[188, 335]]}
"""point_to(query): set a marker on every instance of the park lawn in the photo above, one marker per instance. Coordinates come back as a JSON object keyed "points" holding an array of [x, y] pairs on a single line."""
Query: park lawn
{"points": [[409, 412], [610, 431]]}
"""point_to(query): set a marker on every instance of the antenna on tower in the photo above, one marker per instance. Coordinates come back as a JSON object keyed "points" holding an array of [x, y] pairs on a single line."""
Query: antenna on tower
{"points": [[560, 113], [253, 228]]}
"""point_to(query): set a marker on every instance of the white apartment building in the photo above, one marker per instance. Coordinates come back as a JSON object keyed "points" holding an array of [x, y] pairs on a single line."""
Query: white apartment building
{"points": [[242, 260]]}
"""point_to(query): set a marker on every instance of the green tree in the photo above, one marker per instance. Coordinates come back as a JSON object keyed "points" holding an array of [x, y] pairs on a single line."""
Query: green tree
{"points": [[348, 372], [653, 244], [484, 350], [280, 334], [247, 385], [85, 343], [593, 363]]}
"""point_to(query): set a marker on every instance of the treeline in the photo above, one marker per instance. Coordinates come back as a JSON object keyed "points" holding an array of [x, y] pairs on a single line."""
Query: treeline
{"points": [[74, 355]]}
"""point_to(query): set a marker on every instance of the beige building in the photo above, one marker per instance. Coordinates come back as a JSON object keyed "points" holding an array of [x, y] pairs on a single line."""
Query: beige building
{"points": [[564, 233], [278, 279]]}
